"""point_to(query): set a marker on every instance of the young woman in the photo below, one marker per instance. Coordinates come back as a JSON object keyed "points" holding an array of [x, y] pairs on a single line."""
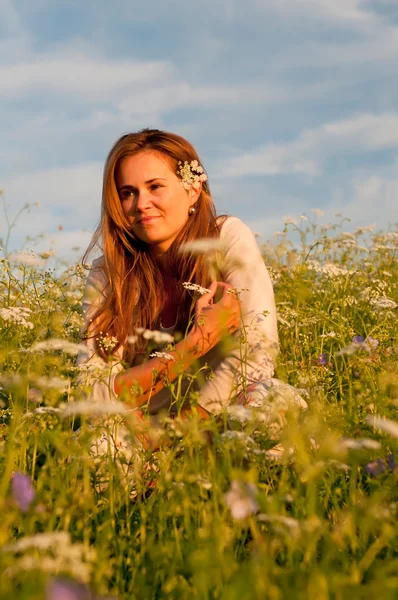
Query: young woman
{"points": [[156, 205]]}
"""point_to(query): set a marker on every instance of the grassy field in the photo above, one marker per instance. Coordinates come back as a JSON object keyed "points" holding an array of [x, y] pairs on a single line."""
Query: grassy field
{"points": [[215, 514]]}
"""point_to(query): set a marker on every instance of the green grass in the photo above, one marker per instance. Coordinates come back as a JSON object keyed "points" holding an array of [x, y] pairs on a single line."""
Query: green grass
{"points": [[318, 525]]}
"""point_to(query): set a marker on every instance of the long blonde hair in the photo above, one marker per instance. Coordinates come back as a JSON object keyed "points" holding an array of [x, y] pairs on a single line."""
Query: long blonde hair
{"points": [[134, 296]]}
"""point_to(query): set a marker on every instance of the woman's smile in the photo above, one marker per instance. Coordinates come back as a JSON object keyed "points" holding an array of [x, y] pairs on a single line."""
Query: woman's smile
{"points": [[144, 221]]}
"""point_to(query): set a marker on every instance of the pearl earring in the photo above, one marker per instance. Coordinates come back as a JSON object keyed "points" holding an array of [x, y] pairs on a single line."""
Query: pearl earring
{"points": [[191, 210]]}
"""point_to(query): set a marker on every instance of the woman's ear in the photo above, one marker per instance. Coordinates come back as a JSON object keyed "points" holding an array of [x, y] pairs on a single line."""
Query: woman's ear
{"points": [[194, 192]]}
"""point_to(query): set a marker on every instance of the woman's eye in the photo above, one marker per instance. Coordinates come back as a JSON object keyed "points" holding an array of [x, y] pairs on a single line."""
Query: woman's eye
{"points": [[155, 186], [126, 194]]}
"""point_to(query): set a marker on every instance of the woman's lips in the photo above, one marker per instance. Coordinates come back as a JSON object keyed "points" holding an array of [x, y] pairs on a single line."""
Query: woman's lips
{"points": [[147, 220]]}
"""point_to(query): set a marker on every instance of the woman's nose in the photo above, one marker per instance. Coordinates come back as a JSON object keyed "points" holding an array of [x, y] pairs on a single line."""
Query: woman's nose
{"points": [[142, 201]]}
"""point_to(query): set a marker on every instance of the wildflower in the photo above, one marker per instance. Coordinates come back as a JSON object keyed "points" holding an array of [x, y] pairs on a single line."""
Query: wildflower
{"points": [[391, 462], [383, 303], [42, 410], [26, 259], [66, 589], [22, 490], [54, 344], [376, 467], [40, 541], [372, 342], [366, 229], [323, 359], [360, 444], [386, 425], [47, 255], [159, 337], [132, 339], [107, 342], [53, 383], [190, 173], [236, 292], [241, 499], [331, 334], [359, 343], [290, 220], [204, 483], [93, 408], [17, 315], [193, 287], [238, 435], [164, 355], [317, 212], [239, 413], [35, 395]]}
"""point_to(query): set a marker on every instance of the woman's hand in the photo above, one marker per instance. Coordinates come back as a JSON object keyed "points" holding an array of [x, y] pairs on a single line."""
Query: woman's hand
{"points": [[213, 321]]}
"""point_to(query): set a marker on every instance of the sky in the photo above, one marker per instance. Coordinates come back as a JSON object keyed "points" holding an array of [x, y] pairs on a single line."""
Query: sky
{"points": [[291, 105]]}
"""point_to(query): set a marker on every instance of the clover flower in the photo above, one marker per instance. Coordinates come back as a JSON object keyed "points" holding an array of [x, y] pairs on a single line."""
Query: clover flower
{"points": [[22, 490]]}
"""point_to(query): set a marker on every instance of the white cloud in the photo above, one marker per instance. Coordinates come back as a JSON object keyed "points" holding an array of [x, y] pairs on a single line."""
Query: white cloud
{"points": [[307, 153], [74, 72], [349, 12]]}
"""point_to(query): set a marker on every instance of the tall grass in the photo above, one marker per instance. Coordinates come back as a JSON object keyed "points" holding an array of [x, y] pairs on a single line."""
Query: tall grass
{"points": [[215, 513]]}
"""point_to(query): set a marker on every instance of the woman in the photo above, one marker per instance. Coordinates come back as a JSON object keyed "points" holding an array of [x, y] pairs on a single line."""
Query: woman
{"points": [[156, 204]]}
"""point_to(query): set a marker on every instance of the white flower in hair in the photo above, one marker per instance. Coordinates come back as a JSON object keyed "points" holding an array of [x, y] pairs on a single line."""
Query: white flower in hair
{"points": [[190, 172]]}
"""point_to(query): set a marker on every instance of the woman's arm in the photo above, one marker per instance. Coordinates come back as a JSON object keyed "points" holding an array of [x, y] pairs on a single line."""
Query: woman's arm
{"points": [[212, 323], [137, 384]]}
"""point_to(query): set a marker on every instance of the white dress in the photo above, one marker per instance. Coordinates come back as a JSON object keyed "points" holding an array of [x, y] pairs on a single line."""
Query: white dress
{"points": [[244, 374]]}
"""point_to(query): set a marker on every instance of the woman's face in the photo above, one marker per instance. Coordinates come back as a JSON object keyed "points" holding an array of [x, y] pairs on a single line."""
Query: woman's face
{"points": [[153, 198]]}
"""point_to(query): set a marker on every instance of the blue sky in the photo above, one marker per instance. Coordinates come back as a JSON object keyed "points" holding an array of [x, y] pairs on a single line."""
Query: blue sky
{"points": [[292, 104]]}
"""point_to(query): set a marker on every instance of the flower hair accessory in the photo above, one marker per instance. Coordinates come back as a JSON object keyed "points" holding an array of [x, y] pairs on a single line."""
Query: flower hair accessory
{"points": [[190, 172]]}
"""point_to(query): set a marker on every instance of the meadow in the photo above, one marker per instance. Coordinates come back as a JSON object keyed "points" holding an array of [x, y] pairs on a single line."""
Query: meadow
{"points": [[224, 510]]}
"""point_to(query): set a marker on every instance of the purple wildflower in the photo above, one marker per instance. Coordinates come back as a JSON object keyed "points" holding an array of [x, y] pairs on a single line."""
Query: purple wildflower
{"points": [[358, 339], [66, 589], [22, 490], [376, 467], [323, 359], [391, 462]]}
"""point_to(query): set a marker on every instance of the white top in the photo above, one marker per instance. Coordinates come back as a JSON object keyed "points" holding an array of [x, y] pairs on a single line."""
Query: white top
{"points": [[243, 267]]}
